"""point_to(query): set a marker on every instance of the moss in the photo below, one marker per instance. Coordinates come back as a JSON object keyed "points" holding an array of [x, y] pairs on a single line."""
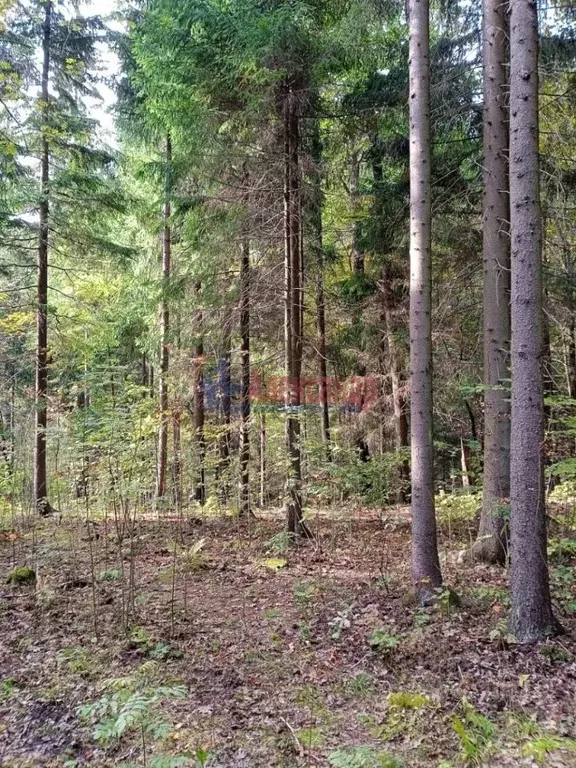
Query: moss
{"points": [[22, 575]]}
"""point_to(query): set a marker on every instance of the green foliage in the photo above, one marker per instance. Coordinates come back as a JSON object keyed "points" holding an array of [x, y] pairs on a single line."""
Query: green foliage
{"points": [[341, 622], [362, 757], [129, 707], [383, 642], [362, 684], [475, 732], [539, 749], [22, 575], [408, 700]]}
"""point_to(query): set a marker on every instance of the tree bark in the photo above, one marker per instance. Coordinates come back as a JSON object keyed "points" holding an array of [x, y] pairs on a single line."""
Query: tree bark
{"points": [[245, 405], [164, 333], [225, 402], [200, 489], [491, 544], [401, 427], [318, 248], [357, 251], [40, 474], [263, 495], [425, 562], [531, 615], [292, 315]]}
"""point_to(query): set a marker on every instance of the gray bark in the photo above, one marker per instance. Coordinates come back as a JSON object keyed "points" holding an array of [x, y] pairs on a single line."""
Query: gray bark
{"points": [[164, 334], [245, 405], [531, 616], [491, 544], [425, 562], [40, 475]]}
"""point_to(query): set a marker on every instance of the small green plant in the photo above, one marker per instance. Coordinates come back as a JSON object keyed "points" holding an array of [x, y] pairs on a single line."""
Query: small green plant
{"points": [[281, 542], [22, 575], [501, 635], [422, 617], [361, 684], [341, 622], [538, 749], [77, 661], [8, 688], [362, 757], [475, 733], [310, 738], [127, 707], [110, 574], [446, 600], [383, 642], [408, 700], [194, 557]]}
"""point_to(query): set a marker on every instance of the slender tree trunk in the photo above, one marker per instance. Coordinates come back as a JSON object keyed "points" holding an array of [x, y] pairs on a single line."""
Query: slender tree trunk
{"points": [[225, 402], [263, 495], [401, 428], [531, 616], [318, 248], [199, 439], [164, 334], [357, 251], [245, 405], [491, 544], [293, 298], [40, 476], [425, 562]]}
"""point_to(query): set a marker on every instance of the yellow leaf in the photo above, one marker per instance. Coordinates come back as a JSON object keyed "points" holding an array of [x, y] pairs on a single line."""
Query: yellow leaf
{"points": [[274, 563]]}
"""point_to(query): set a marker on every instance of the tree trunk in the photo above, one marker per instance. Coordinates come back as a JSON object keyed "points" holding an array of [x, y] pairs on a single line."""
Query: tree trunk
{"points": [[425, 562], [357, 251], [164, 334], [245, 406], [40, 476], [318, 248], [531, 616], [292, 315], [200, 489], [491, 544], [263, 495], [401, 428], [225, 402]]}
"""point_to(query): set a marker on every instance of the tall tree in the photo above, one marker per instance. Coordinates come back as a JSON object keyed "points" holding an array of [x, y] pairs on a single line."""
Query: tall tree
{"points": [[531, 616], [293, 314], [425, 562], [491, 544], [245, 405], [40, 474], [164, 330], [198, 406]]}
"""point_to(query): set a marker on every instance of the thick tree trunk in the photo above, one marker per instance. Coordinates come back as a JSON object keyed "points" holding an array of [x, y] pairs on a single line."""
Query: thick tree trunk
{"points": [[531, 616], [40, 476], [244, 508], [292, 316], [162, 459], [200, 489], [425, 562], [491, 544]]}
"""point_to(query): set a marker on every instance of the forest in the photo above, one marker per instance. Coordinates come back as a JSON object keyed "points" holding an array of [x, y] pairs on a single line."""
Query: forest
{"points": [[287, 383]]}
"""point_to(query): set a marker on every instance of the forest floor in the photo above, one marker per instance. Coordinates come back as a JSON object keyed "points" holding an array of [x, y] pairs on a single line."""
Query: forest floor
{"points": [[205, 643]]}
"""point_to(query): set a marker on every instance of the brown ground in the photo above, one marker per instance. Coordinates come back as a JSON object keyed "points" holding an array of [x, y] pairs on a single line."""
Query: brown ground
{"points": [[268, 678]]}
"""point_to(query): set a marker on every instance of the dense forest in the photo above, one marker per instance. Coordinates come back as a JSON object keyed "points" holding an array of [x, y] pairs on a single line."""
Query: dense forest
{"points": [[287, 383]]}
